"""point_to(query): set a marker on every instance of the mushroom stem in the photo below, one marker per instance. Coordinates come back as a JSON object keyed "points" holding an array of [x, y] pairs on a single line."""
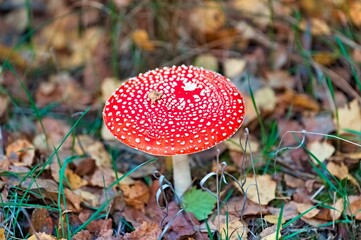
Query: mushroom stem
{"points": [[181, 174]]}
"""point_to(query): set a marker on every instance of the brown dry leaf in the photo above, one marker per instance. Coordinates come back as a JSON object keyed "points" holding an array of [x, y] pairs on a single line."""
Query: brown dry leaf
{"points": [[350, 117], [74, 180], [74, 199], [305, 207], [141, 39], [2, 234], [234, 145], [325, 58], [234, 67], [266, 189], [302, 101], [207, 18], [21, 152], [341, 172], [104, 177], [280, 79], [293, 182], [146, 231], [108, 87], [265, 99], [318, 27], [82, 235], [251, 113], [257, 10], [95, 149], [101, 227], [337, 211], [41, 221], [239, 206], [89, 198], [236, 227], [322, 150], [354, 208], [289, 210], [55, 131], [274, 219], [270, 233], [136, 194], [207, 61], [355, 13], [4, 102], [43, 236]]}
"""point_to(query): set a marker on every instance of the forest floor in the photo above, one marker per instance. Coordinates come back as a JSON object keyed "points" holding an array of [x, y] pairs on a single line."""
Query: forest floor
{"points": [[292, 171]]}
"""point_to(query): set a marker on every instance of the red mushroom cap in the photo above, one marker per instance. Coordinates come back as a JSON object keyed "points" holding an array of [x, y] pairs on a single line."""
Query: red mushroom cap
{"points": [[174, 110]]}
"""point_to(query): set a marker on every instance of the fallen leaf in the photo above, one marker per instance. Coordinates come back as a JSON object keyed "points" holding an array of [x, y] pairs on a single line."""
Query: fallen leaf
{"points": [[199, 202], [108, 87], [54, 133], [141, 39], [2, 234], [265, 99], [270, 233], [325, 58], [354, 209], [72, 200], [21, 152], [74, 180], [88, 197], [293, 182], [146, 231], [274, 219], [289, 210], [4, 102], [355, 12], [207, 61], [43, 236], [338, 209], [280, 79], [207, 17], [82, 235], [263, 192], [232, 228], [95, 149], [319, 27], [322, 150], [41, 221], [234, 67], [239, 206], [234, 145], [350, 117], [256, 10], [298, 100], [309, 208], [100, 227], [136, 194], [104, 177], [341, 172]]}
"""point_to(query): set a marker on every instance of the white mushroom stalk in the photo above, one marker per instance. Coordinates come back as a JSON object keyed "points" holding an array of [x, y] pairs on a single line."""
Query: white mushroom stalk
{"points": [[181, 174]]}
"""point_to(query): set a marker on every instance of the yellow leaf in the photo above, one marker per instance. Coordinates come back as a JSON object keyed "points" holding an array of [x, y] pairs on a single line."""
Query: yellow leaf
{"points": [[141, 39], [274, 219], [322, 150], [305, 207], [263, 192], [341, 172], [350, 117], [207, 18]]}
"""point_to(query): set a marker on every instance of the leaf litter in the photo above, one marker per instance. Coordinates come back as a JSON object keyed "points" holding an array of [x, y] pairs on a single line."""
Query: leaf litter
{"points": [[75, 61]]}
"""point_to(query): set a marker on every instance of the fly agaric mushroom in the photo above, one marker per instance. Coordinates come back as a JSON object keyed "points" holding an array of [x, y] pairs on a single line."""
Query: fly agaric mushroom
{"points": [[175, 111]]}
